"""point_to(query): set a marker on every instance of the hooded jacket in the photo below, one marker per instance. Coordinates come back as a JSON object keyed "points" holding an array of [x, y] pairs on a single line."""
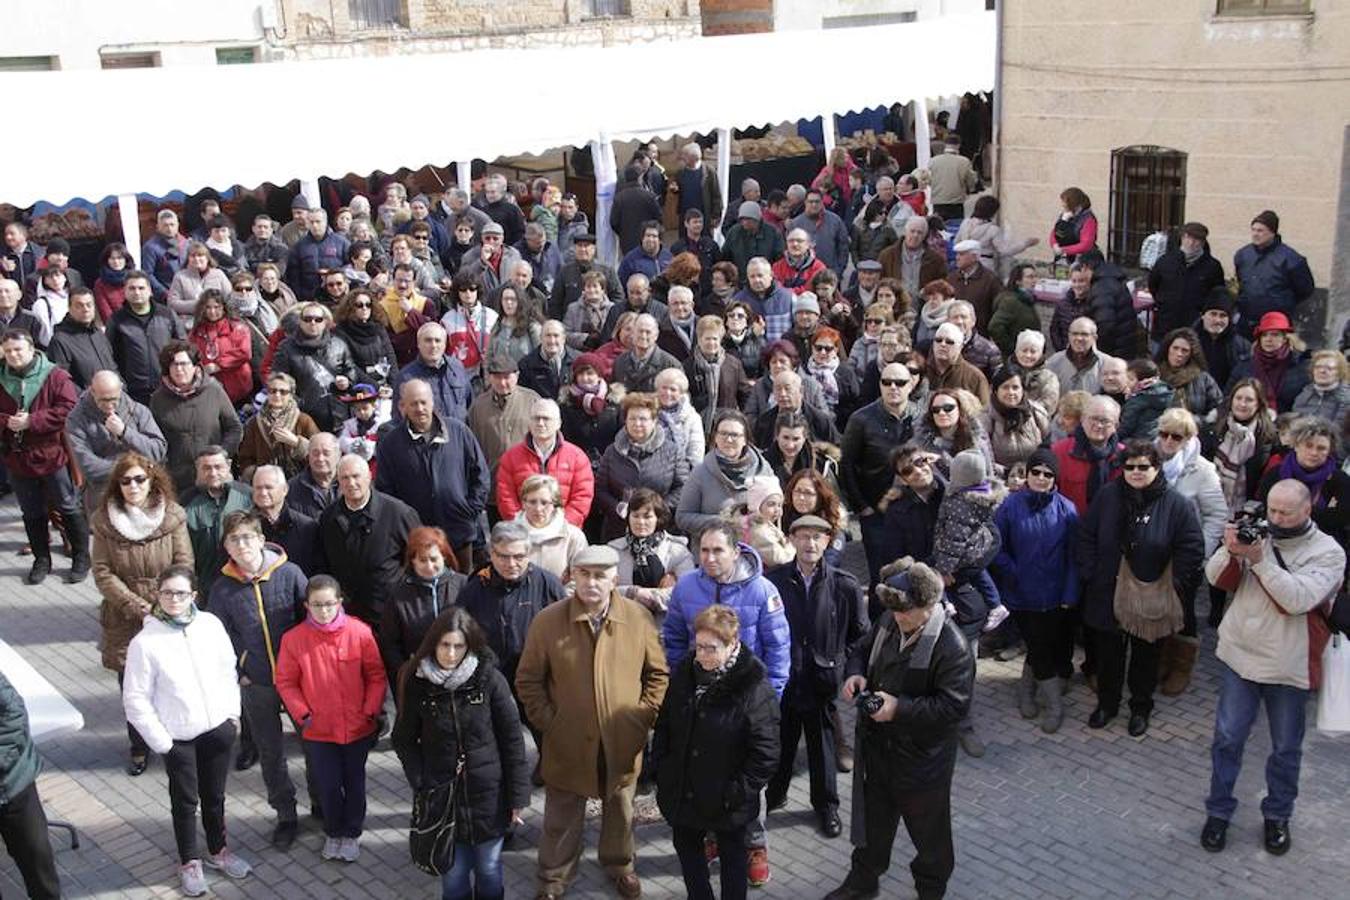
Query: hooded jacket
{"points": [[764, 624], [1139, 415], [314, 363], [1035, 567], [81, 350], [478, 719], [257, 610], [179, 683], [332, 678], [714, 753]]}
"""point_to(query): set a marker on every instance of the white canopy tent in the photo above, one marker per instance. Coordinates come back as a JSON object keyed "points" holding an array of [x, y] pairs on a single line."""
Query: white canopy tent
{"points": [[151, 135]]}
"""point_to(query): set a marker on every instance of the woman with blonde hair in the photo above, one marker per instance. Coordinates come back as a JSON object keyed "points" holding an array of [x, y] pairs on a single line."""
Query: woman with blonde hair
{"points": [[279, 434], [139, 531], [1327, 396], [553, 539]]}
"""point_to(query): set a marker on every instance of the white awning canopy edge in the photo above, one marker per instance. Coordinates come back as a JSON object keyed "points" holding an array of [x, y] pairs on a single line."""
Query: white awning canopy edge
{"points": [[154, 131]]}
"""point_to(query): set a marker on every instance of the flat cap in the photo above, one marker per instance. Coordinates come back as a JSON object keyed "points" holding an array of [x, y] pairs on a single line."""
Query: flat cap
{"points": [[597, 556]]}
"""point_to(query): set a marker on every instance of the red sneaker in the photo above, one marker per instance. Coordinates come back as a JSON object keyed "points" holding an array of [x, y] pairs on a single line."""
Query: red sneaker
{"points": [[759, 867]]}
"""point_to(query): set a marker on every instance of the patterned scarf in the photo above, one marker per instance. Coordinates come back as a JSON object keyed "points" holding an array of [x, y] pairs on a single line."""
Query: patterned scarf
{"points": [[706, 678], [648, 570], [450, 679], [591, 400], [184, 392], [1237, 447], [180, 621], [270, 419], [824, 374]]}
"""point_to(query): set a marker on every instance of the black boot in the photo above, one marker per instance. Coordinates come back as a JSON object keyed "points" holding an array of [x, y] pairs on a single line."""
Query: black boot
{"points": [[40, 542], [77, 529]]}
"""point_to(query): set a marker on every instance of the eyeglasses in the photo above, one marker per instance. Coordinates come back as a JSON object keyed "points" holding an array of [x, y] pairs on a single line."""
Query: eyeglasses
{"points": [[129, 480], [708, 648], [1171, 436], [943, 408], [421, 237], [824, 348], [243, 537], [943, 340], [312, 319], [333, 605], [874, 321], [469, 289], [1041, 473], [1100, 420], [736, 315], [732, 435], [278, 390], [894, 382], [177, 595], [919, 462], [1137, 467]]}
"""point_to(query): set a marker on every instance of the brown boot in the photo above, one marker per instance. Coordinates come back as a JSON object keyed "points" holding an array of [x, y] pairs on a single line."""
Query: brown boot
{"points": [[1185, 651], [1167, 658]]}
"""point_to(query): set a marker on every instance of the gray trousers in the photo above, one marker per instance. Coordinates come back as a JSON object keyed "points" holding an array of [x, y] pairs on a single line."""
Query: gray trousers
{"points": [[263, 709]]}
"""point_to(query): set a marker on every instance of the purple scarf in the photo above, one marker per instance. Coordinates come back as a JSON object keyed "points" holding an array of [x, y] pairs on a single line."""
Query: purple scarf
{"points": [[1312, 480]]}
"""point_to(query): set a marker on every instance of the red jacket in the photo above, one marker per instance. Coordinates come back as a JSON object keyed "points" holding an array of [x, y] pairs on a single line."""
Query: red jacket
{"points": [[108, 299], [787, 275], [227, 344], [568, 463], [335, 678], [1074, 472], [40, 450]]}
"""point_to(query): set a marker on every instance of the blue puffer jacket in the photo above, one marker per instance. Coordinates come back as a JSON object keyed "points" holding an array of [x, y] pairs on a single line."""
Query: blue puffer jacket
{"points": [[309, 257], [764, 624], [1035, 568], [1271, 278], [237, 599]]}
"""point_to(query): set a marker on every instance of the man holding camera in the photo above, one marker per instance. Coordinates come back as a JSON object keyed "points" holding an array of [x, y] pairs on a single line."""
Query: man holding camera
{"points": [[1270, 645], [911, 680]]}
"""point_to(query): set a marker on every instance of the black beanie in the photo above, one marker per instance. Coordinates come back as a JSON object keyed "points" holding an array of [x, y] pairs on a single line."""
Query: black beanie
{"points": [[1268, 218], [1042, 456], [1218, 298]]}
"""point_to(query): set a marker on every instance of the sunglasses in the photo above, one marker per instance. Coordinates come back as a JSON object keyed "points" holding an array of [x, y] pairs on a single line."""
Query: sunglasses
{"points": [[129, 480], [874, 321], [824, 348], [312, 319], [908, 468], [1137, 467], [943, 407], [894, 382], [1041, 473], [944, 341], [361, 305], [1171, 436]]}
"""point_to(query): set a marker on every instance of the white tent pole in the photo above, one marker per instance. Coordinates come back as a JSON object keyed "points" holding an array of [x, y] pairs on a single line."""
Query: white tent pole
{"points": [[464, 175], [128, 210], [606, 177], [828, 127], [923, 142], [723, 174], [310, 188]]}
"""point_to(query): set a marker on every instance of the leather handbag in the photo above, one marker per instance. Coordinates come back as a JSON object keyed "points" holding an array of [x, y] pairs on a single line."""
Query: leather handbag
{"points": [[431, 837], [1149, 610]]}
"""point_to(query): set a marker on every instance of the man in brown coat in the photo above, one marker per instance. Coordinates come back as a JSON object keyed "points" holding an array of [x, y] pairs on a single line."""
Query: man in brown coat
{"points": [[911, 260], [946, 368], [591, 678], [974, 283]]}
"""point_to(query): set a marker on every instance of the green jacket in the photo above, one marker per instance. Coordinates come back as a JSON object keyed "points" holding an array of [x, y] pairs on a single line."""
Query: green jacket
{"points": [[204, 517], [19, 762], [1014, 312], [23, 387], [741, 246]]}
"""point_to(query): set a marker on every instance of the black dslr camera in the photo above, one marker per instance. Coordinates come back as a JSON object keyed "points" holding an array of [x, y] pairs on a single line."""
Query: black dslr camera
{"points": [[1252, 527], [868, 703]]}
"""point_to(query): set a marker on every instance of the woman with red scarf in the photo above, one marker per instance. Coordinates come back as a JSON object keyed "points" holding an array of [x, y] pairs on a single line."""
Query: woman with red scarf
{"points": [[1279, 361], [835, 190]]}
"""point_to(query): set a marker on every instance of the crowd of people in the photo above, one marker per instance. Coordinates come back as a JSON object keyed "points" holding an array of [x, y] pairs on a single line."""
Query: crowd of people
{"points": [[429, 469]]}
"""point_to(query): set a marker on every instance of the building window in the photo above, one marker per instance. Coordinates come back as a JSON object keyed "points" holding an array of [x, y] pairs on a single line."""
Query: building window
{"points": [[27, 63], [1264, 7], [367, 15], [130, 60], [599, 9], [1148, 194], [236, 56]]}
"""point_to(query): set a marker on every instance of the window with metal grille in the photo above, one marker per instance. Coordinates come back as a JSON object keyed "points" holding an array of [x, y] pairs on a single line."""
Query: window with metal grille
{"points": [[236, 56], [376, 14], [1148, 194], [602, 8], [130, 60], [27, 63], [1264, 7]]}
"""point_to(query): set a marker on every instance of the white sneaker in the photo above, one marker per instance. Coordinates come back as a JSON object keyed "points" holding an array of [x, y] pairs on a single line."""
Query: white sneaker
{"points": [[332, 848], [192, 879], [349, 850], [226, 861], [996, 617]]}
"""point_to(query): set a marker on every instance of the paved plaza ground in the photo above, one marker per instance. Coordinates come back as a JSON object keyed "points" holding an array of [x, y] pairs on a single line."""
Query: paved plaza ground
{"points": [[1077, 814]]}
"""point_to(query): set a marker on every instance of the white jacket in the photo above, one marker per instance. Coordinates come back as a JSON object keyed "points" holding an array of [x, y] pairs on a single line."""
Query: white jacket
{"points": [[1271, 633], [180, 682]]}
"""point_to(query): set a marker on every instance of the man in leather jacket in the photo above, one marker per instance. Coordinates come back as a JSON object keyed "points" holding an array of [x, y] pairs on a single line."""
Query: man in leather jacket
{"points": [[917, 671]]}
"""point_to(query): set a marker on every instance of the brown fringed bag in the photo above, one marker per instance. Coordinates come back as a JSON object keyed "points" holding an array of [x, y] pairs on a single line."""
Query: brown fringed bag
{"points": [[1149, 610]]}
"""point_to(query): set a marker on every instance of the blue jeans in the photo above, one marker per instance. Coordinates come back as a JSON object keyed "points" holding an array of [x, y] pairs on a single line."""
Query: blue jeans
{"points": [[1286, 709], [477, 872]]}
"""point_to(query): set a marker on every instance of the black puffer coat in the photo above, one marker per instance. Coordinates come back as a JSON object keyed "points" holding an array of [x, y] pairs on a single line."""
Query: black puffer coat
{"points": [[479, 719], [714, 754], [371, 350], [1169, 532], [315, 364], [1112, 308], [409, 611]]}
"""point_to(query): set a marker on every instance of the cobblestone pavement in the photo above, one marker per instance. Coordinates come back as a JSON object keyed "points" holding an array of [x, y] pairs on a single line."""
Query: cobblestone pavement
{"points": [[1078, 814]]}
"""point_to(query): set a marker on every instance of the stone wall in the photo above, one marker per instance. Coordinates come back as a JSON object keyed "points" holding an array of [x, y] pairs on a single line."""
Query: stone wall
{"points": [[736, 16], [318, 29]]}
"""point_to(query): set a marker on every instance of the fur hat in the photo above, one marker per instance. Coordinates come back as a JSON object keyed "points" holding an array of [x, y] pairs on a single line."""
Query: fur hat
{"points": [[968, 469], [917, 587]]}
